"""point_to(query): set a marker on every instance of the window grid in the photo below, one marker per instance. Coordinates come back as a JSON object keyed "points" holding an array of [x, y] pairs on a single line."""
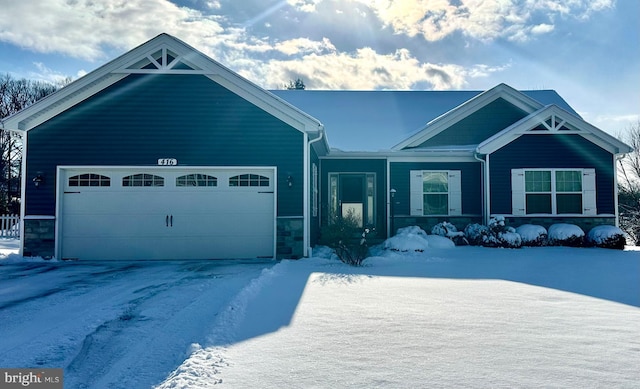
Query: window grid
{"points": [[142, 179], [196, 180], [435, 196], [89, 179], [249, 180], [553, 191]]}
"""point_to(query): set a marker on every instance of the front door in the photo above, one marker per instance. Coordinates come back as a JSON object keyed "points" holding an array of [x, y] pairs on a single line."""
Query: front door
{"points": [[353, 194]]}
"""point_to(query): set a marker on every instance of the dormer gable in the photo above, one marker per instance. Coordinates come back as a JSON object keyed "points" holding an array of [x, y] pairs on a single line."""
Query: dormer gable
{"points": [[500, 94], [553, 120]]}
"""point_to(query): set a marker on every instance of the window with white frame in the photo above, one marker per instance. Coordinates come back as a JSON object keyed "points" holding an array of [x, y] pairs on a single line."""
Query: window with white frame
{"points": [[435, 192], [553, 191]]}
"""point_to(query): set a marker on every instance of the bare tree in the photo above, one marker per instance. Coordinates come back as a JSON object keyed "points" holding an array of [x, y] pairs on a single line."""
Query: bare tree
{"points": [[629, 185], [15, 95]]}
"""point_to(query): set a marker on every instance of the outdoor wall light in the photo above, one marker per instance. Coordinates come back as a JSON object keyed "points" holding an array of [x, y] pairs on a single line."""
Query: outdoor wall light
{"points": [[290, 181], [37, 180]]}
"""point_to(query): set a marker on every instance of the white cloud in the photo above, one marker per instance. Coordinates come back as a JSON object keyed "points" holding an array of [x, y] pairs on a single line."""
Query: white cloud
{"points": [[542, 29], [364, 69], [304, 5], [85, 28], [304, 45], [482, 20]]}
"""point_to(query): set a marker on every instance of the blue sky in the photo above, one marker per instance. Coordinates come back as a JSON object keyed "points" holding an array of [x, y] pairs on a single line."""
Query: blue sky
{"points": [[587, 50]]}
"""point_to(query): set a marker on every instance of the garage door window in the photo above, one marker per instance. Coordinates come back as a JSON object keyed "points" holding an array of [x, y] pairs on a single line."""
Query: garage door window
{"points": [[197, 180], [143, 180], [249, 180], [89, 180]]}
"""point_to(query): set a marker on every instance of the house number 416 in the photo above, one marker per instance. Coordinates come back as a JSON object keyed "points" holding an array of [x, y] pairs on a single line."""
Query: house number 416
{"points": [[167, 162]]}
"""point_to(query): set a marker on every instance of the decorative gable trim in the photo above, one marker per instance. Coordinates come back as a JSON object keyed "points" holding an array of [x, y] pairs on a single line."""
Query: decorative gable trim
{"points": [[163, 54], [552, 120], [446, 120]]}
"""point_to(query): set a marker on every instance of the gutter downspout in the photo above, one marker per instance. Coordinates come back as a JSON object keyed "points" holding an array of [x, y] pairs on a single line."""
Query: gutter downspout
{"points": [[307, 224], [616, 210], [485, 188]]}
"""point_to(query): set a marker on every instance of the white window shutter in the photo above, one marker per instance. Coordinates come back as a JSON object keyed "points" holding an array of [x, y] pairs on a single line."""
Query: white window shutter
{"points": [[589, 192], [517, 192], [416, 202], [455, 193]]}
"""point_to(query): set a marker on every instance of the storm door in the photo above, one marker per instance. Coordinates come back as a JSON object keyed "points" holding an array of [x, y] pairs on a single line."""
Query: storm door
{"points": [[352, 194]]}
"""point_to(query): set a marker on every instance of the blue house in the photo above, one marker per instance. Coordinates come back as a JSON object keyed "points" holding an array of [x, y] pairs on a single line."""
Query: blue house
{"points": [[163, 153]]}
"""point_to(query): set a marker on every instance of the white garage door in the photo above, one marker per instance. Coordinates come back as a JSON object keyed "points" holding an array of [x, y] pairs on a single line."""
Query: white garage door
{"points": [[166, 213]]}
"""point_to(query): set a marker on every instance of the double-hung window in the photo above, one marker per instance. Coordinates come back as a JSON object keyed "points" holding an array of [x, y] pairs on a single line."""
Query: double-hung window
{"points": [[553, 191], [435, 193]]}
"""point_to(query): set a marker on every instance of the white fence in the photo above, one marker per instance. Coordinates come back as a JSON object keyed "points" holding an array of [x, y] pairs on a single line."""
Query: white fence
{"points": [[9, 226]]}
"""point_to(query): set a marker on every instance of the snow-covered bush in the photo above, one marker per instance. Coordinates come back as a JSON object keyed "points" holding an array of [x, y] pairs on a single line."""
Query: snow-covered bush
{"points": [[563, 234], [608, 237], [475, 233], [440, 242], [415, 239], [506, 236], [532, 235], [408, 239], [496, 234], [450, 231]]}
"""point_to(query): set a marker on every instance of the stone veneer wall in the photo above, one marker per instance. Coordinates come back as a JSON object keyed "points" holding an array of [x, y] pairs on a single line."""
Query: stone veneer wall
{"points": [[290, 238], [427, 223], [39, 238], [586, 223]]}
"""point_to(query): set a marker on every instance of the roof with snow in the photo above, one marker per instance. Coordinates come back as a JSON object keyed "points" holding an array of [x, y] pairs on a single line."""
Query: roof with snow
{"points": [[378, 120]]}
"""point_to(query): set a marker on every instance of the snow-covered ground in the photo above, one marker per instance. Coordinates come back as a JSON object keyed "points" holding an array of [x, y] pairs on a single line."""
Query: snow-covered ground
{"points": [[446, 317]]}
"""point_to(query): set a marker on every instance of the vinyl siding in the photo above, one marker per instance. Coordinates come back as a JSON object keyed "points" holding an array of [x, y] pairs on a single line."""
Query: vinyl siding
{"points": [[479, 126], [550, 151], [471, 183], [146, 117]]}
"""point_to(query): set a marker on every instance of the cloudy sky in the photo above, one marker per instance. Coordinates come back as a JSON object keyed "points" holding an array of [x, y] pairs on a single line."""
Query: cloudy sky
{"points": [[587, 50]]}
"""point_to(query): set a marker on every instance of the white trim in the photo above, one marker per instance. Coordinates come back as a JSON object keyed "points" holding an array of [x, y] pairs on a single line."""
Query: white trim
{"points": [[574, 124], [467, 108], [60, 185], [454, 192], [615, 189], [23, 190], [306, 235], [588, 192], [39, 217], [388, 197]]}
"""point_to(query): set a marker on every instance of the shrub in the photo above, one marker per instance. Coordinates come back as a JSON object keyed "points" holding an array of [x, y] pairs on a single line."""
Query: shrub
{"points": [[608, 237], [563, 234], [347, 239], [496, 234], [532, 235], [408, 239], [475, 233], [450, 231]]}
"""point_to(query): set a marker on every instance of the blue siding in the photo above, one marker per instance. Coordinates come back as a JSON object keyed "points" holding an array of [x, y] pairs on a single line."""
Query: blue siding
{"points": [[146, 117], [471, 180], [550, 151], [479, 126]]}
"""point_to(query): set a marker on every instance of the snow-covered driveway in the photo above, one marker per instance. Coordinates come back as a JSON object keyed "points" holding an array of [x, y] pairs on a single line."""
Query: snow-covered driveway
{"points": [[114, 325]]}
